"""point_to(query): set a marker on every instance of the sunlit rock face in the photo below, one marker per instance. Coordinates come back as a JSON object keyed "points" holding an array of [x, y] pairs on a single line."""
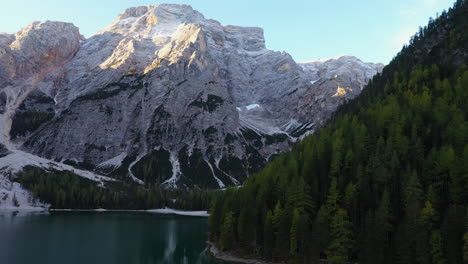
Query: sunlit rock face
{"points": [[333, 81], [164, 95], [27, 57], [38, 48]]}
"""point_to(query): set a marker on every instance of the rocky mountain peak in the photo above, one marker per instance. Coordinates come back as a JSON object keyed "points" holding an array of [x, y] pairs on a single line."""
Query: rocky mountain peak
{"points": [[40, 46], [164, 95], [154, 21], [340, 66], [333, 81], [159, 23], [47, 41]]}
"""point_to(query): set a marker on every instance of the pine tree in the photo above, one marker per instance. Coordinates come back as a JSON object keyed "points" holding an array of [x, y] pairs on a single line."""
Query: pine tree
{"points": [[350, 201], [246, 226], [384, 215], [226, 239], [412, 196], [465, 248], [337, 153], [437, 249], [428, 216], [282, 222], [341, 242], [294, 234], [214, 220], [331, 205], [322, 229], [350, 196], [268, 236], [278, 214]]}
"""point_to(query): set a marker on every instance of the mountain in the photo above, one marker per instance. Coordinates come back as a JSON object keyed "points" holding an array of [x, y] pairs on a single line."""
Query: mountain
{"points": [[334, 81], [384, 181], [164, 96]]}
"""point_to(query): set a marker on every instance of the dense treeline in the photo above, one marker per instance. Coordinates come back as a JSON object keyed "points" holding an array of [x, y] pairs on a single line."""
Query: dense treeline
{"points": [[385, 181], [64, 189]]}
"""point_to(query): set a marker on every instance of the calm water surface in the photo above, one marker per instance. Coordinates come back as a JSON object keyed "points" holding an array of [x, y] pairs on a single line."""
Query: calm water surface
{"points": [[101, 238]]}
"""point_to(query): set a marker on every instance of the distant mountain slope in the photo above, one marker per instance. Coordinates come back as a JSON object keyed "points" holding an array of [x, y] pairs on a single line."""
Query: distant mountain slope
{"points": [[385, 181], [334, 81], [163, 96]]}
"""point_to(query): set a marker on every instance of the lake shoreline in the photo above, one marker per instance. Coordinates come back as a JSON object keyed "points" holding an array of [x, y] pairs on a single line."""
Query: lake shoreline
{"points": [[155, 211], [231, 257], [75, 237]]}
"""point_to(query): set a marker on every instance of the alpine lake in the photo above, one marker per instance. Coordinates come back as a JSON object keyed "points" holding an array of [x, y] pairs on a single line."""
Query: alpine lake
{"points": [[114, 237]]}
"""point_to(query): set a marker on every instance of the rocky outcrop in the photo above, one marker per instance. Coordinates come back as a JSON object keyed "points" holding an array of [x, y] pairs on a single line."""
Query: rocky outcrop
{"points": [[333, 81], [26, 58], [164, 95]]}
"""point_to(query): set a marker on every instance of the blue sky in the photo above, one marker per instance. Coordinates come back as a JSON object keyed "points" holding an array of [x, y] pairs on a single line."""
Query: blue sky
{"points": [[373, 30]]}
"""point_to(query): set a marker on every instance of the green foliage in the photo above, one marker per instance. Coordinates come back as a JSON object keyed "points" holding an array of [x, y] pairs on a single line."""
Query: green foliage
{"points": [[268, 236], [64, 189], [226, 240], [341, 242], [383, 217], [68, 190], [385, 180], [465, 247], [246, 227], [333, 198], [294, 232], [154, 167], [437, 248], [215, 220], [196, 169]]}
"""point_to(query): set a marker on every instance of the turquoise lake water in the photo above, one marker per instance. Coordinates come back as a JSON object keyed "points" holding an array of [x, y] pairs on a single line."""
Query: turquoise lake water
{"points": [[101, 238]]}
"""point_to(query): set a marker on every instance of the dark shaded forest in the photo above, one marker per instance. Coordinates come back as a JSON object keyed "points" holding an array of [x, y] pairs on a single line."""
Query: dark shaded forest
{"points": [[64, 190], [385, 181]]}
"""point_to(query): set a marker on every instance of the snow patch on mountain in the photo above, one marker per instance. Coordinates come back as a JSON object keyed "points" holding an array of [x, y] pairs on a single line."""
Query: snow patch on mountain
{"points": [[17, 160], [115, 162], [13, 196], [220, 183], [178, 212], [130, 172], [165, 77], [291, 125], [176, 173], [252, 106]]}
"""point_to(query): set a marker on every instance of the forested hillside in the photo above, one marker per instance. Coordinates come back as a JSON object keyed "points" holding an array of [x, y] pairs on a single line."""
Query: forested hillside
{"points": [[65, 189], [385, 181]]}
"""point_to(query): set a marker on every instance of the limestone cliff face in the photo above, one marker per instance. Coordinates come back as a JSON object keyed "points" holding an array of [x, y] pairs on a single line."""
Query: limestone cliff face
{"points": [[164, 95], [333, 81], [26, 58]]}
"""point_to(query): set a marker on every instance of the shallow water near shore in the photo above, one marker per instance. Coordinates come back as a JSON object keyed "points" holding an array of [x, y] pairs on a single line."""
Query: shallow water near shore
{"points": [[102, 237]]}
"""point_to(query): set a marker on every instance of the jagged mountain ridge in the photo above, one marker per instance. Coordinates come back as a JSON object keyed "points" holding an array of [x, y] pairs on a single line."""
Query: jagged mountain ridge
{"points": [[163, 94]]}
